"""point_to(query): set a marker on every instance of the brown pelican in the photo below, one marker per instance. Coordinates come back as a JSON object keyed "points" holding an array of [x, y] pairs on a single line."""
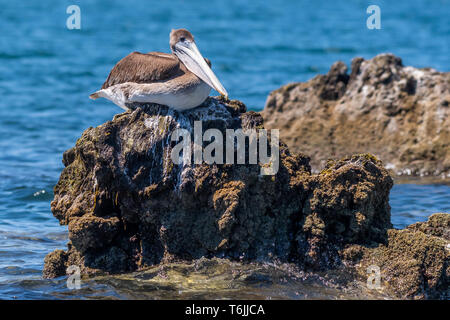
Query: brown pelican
{"points": [[181, 80]]}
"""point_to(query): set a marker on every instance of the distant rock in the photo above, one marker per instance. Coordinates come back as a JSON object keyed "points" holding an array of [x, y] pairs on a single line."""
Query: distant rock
{"points": [[400, 114], [128, 206]]}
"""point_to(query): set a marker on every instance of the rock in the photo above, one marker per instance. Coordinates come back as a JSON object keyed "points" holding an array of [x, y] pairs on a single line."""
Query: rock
{"points": [[55, 264], [438, 225], [129, 207], [400, 114], [91, 232], [415, 262], [348, 203]]}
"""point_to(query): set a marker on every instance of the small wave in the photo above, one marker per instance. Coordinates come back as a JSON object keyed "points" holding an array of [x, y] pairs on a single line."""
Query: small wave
{"points": [[40, 195], [329, 50], [33, 54]]}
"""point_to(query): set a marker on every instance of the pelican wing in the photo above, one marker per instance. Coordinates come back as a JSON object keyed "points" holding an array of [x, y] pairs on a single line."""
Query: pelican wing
{"points": [[144, 68]]}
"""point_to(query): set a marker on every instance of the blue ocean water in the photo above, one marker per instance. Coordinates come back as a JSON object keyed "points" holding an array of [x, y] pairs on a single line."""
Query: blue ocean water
{"points": [[47, 72]]}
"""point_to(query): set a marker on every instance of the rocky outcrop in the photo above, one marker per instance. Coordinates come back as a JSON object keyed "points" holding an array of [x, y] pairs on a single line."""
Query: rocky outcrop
{"points": [[129, 206], [400, 114], [347, 203], [414, 263]]}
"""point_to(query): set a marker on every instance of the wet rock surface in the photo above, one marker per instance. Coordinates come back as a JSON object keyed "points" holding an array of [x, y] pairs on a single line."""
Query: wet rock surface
{"points": [[129, 207], [216, 278], [398, 113]]}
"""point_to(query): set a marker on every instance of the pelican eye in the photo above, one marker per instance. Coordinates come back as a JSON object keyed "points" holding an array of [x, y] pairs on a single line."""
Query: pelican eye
{"points": [[182, 39]]}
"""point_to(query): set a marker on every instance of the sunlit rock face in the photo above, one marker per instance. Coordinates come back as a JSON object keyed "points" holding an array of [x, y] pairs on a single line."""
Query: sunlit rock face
{"points": [[400, 114]]}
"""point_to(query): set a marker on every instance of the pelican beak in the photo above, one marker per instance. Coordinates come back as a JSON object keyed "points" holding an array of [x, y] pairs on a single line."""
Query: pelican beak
{"points": [[189, 54]]}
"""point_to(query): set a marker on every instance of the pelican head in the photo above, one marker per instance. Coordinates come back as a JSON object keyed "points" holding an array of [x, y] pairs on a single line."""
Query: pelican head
{"points": [[183, 46]]}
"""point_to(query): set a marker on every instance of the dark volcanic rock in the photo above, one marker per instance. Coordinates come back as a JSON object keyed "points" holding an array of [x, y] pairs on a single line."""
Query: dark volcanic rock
{"points": [[128, 206], [124, 199], [400, 114]]}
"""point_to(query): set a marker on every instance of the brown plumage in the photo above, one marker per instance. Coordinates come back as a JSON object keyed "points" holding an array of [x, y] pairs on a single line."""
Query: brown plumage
{"points": [[145, 68]]}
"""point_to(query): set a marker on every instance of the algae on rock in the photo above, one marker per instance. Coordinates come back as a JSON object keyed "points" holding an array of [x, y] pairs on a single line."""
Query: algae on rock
{"points": [[129, 207]]}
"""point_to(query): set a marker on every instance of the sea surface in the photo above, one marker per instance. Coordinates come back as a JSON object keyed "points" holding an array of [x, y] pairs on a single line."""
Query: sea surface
{"points": [[47, 72]]}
